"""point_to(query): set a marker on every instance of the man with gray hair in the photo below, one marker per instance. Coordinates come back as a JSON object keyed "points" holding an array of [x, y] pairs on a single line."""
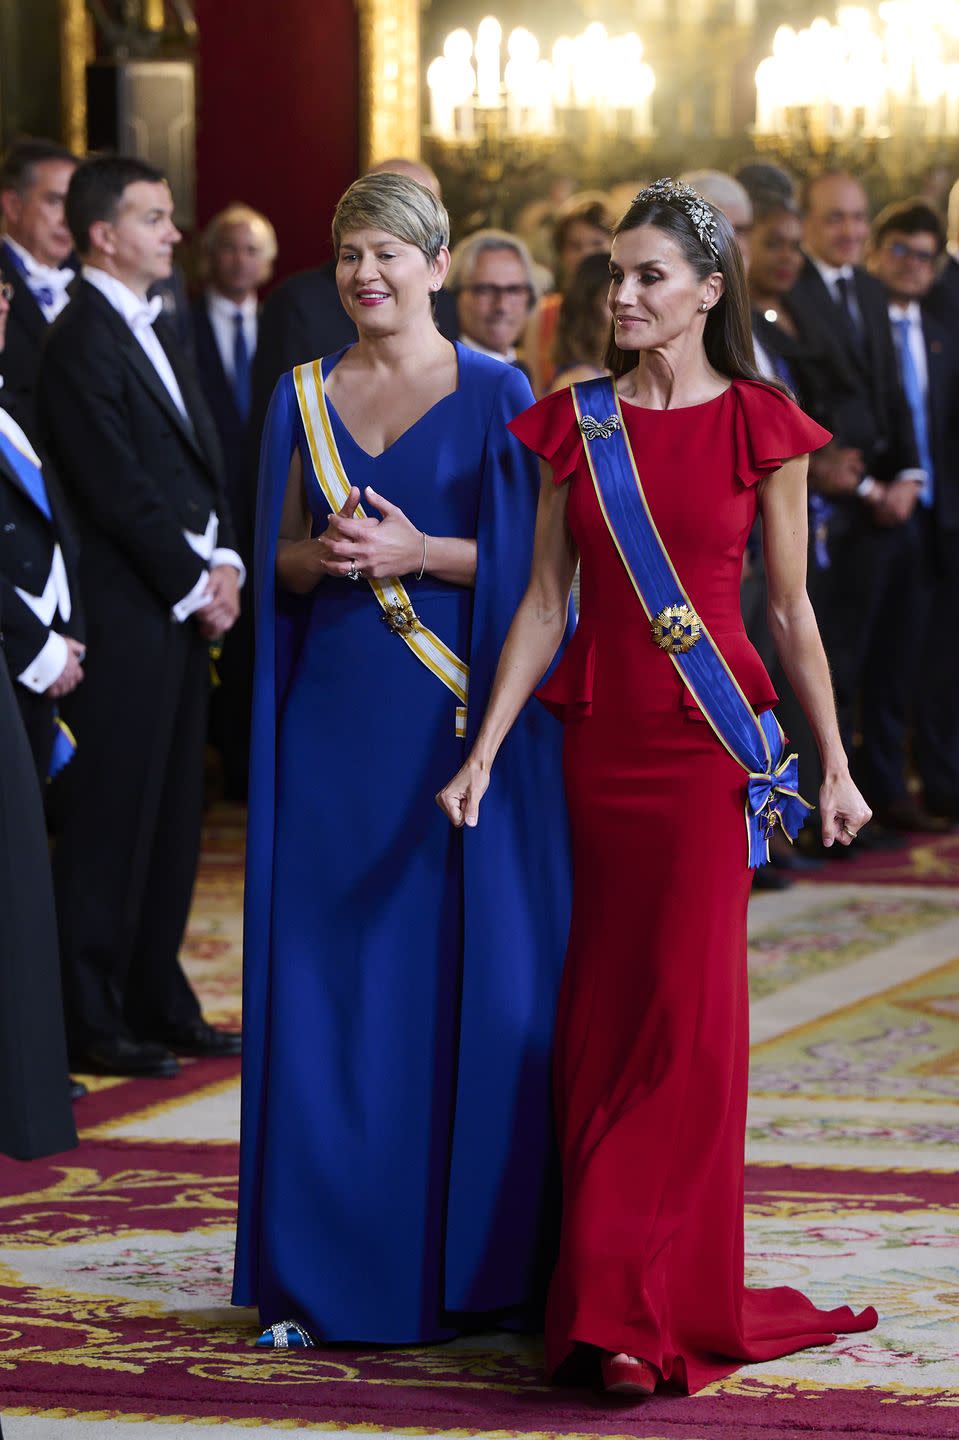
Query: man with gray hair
{"points": [[496, 285], [728, 195]]}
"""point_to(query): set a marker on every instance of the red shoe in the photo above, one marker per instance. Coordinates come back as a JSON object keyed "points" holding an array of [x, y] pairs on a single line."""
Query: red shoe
{"points": [[628, 1377]]}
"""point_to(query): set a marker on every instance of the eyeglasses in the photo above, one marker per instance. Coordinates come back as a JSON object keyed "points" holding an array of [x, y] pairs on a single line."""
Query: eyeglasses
{"points": [[900, 251], [496, 292]]}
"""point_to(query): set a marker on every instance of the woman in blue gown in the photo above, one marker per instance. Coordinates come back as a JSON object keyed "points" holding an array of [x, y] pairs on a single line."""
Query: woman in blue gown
{"points": [[400, 980]]}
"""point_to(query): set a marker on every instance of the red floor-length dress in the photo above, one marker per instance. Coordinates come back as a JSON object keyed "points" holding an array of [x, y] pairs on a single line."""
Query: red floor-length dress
{"points": [[652, 1038]]}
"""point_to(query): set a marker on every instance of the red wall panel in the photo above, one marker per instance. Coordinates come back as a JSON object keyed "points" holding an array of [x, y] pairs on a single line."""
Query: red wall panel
{"points": [[277, 115]]}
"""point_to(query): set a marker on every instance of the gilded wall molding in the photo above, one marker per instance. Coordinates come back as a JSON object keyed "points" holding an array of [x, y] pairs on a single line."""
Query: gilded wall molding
{"points": [[74, 52], [389, 73]]}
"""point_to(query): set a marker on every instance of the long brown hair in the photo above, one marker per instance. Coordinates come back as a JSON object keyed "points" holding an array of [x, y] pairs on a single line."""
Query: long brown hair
{"points": [[728, 336], [580, 334]]}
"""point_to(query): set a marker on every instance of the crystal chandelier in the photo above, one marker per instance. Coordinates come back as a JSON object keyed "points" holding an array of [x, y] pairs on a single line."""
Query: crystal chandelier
{"points": [[595, 82], [894, 73]]}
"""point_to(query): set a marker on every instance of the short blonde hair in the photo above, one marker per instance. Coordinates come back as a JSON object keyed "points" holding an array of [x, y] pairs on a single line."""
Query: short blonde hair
{"points": [[238, 214], [396, 204]]}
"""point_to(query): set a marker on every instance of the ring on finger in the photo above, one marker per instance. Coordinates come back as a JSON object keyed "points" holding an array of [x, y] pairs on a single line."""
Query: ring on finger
{"points": [[352, 573]]}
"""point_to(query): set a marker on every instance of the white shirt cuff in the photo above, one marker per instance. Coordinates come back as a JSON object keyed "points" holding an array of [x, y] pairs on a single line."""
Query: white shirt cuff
{"points": [[196, 599], [865, 487], [46, 667], [229, 557], [917, 476]]}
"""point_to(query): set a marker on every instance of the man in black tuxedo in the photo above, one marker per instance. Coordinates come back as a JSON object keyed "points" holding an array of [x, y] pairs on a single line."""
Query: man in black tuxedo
{"points": [[871, 420], [36, 244], [239, 248], [139, 458], [42, 628], [41, 646], [913, 679]]}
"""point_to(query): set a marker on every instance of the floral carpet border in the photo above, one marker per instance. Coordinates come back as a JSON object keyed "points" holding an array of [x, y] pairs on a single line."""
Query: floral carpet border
{"points": [[66, 1350]]}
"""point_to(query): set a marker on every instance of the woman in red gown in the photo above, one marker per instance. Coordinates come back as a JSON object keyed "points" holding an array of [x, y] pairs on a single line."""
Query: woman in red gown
{"points": [[652, 1039]]}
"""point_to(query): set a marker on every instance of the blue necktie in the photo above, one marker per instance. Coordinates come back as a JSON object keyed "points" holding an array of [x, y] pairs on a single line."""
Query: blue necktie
{"points": [[912, 386], [241, 367], [29, 475]]}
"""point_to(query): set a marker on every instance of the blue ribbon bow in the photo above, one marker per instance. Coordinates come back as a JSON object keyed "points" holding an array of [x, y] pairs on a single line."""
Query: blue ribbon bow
{"points": [[774, 799]]}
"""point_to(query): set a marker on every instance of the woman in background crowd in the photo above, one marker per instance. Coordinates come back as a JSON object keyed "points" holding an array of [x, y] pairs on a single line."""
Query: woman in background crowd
{"points": [[582, 332], [582, 228]]}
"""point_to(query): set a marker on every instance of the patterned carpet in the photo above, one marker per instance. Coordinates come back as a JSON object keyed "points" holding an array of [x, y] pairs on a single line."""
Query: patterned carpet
{"points": [[115, 1259], [922, 860]]}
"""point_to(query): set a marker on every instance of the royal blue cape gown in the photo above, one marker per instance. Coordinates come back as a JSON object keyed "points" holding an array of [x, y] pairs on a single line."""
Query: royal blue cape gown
{"points": [[400, 976]]}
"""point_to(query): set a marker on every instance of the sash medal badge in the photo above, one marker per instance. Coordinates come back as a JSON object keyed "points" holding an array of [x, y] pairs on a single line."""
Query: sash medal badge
{"points": [[676, 629]]}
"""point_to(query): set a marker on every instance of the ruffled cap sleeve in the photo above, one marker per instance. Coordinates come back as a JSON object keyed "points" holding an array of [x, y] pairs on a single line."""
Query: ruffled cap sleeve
{"points": [[770, 429], [549, 428]]}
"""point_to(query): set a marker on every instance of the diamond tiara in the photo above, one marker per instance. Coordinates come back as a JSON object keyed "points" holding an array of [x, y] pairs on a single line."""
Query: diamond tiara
{"points": [[697, 210]]}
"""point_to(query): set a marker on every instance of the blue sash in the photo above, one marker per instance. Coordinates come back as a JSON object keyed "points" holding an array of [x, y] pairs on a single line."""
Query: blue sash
{"points": [[29, 474], [64, 747], [756, 741]]}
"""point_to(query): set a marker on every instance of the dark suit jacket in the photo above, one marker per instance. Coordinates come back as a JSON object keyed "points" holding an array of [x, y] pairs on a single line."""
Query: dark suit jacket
{"points": [[231, 426], [136, 473], [820, 378], [942, 358], [27, 539], [870, 413], [942, 301], [20, 358]]}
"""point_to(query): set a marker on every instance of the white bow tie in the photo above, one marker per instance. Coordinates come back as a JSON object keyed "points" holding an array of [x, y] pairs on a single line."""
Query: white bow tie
{"points": [[146, 313], [56, 280]]}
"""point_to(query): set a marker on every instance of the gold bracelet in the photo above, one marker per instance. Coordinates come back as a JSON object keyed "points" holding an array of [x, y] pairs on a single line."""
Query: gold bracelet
{"points": [[423, 566]]}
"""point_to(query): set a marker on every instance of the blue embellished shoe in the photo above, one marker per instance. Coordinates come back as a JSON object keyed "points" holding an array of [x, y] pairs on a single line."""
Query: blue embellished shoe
{"points": [[286, 1335]]}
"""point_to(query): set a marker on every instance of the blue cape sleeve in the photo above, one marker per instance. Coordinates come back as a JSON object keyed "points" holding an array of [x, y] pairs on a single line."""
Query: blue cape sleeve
{"points": [[516, 899], [279, 622]]}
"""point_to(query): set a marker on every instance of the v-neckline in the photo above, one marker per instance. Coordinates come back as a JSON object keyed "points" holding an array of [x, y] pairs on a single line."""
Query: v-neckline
{"points": [[410, 428]]}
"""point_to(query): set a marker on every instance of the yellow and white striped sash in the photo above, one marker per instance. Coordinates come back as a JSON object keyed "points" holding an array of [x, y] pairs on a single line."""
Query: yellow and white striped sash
{"points": [[392, 595]]}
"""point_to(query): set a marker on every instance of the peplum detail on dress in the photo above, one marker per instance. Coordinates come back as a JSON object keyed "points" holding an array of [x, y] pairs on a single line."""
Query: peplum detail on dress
{"points": [[568, 693], [744, 661], [769, 428]]}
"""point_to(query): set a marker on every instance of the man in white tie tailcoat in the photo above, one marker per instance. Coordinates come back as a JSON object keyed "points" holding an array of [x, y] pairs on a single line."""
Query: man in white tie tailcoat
{"points": [[160, 577]]}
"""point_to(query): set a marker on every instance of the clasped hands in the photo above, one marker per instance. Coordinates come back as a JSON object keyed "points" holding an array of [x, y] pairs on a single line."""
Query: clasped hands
{"points": [[222, 607], [838, 470], [378, 548], [72, 673]]}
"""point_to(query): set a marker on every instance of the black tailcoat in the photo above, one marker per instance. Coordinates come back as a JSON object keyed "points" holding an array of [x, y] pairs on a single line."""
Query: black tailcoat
{"points": [[20, 358], [27, 540], [36, 1117], [137, 474]]}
